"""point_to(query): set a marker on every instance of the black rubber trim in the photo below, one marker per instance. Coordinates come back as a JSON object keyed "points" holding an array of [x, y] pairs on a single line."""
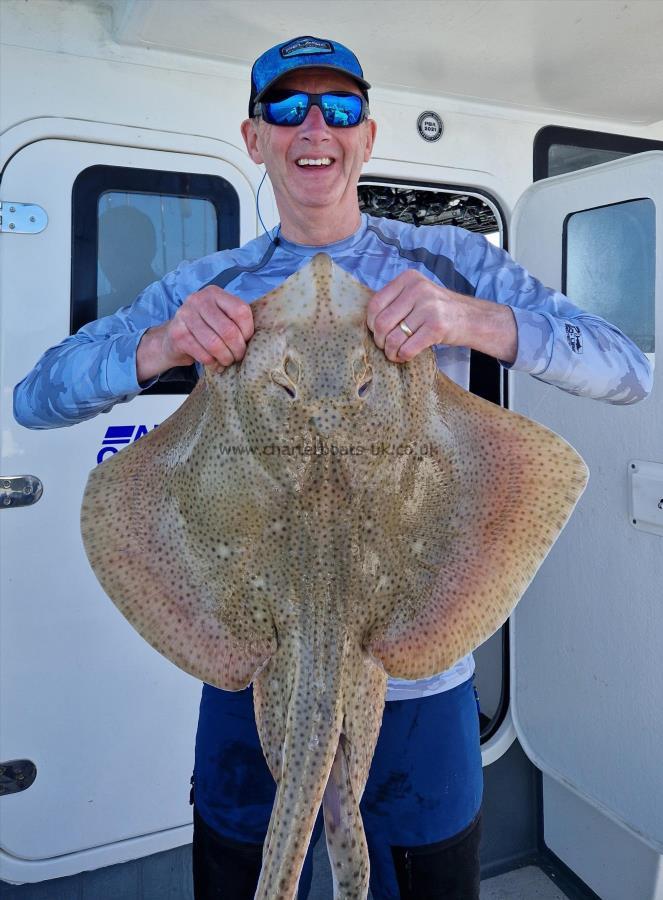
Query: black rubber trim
{"points": [[550, 135]]}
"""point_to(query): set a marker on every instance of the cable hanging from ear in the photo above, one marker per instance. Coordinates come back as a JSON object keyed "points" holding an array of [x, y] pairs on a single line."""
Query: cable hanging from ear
{"points": [[273, 238]]}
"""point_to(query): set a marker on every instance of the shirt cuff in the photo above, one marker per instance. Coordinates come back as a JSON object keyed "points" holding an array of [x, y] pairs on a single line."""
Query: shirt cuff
{"points": [[121, 374], [535, 341]]}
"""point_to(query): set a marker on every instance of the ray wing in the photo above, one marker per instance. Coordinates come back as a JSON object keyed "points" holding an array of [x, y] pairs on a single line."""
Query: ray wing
{"points": [[160, 529], [499, 489]]}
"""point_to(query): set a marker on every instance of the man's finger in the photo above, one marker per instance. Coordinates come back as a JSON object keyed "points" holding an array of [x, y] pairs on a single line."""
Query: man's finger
{"points": [[390, 318], [421, 340], [225, 328], [205, 345], [397, 340], [237, 311], [382, 298]]}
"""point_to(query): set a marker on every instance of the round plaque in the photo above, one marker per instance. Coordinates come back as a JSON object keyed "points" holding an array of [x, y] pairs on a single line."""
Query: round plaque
{"points": [[429, 126]]}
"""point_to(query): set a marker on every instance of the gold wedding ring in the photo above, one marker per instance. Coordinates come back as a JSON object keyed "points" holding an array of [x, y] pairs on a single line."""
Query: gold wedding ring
{"points": [[405, 328]]}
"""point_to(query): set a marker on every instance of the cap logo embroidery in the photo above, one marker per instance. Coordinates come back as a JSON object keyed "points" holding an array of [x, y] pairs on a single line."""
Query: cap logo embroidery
{"points": [[306, 46], [573, 337]]}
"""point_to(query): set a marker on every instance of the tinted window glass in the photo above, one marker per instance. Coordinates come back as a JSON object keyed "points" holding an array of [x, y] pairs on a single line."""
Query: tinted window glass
{"points": [[567, 158], [142, 237], [609, 265]]}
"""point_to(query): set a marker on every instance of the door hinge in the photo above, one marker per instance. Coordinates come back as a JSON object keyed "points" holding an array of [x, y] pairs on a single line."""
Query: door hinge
{"points": [[19, 490], [22, 218]]}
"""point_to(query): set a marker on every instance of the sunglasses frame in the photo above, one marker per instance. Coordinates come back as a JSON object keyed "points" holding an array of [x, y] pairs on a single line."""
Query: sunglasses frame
{"points": [[313, 100]]}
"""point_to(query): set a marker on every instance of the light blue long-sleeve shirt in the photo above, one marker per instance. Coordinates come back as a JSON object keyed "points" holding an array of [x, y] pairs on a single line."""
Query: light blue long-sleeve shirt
{"points": [[92, 370]]}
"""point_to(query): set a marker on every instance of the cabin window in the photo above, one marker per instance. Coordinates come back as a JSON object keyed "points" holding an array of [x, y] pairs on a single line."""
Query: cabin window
{"points": [[609, 268], [430, 206], [133, 226], [559, 150]]}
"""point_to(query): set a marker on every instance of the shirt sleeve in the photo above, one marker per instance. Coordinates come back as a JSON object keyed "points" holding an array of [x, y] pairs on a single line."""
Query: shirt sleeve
{"points": [[89, 372], [557, 342]]}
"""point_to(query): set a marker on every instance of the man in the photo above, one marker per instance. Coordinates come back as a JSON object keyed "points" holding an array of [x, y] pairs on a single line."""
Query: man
{"points": [[436, 287]]}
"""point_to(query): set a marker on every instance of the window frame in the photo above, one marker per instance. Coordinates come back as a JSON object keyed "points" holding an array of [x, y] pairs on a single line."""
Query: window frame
{"points": [[585, 139], [89, 186]]}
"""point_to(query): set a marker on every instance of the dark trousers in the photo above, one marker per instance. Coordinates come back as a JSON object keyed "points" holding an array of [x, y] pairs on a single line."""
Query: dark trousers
{"points": [[419, 809], [448, 870]]}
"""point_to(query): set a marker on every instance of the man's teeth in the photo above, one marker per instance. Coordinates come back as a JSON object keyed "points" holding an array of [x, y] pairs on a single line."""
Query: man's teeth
{"points": [[325, 161]]}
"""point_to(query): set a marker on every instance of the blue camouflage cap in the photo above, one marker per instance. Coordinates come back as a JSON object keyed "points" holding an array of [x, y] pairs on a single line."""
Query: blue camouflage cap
{"points": [[304, 52]]}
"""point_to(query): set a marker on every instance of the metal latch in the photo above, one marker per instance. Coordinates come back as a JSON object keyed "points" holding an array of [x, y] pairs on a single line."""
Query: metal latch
{"points": [[19, 490], [16, 775], [22, 218]]}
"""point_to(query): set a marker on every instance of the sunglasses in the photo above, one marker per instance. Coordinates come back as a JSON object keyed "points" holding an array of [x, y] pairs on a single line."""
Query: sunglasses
{"points": [[339, 109]]}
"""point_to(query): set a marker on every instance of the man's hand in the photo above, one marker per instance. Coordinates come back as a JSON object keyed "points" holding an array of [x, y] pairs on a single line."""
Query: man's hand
{"points": [[437, 315], [211, 327]]}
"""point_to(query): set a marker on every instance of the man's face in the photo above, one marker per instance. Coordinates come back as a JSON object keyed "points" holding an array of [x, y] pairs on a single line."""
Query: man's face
{"points": [[299, 187]]}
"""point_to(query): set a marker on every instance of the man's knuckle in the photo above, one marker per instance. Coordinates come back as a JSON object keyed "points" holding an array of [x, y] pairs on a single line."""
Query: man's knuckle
{"points": [[228, 331], [225, 356], [244, 313], [216, 344]]}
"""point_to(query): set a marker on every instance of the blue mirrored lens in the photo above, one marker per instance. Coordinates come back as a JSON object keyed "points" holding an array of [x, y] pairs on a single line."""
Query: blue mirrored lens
{"points": [[339, 110], [289, 111]]}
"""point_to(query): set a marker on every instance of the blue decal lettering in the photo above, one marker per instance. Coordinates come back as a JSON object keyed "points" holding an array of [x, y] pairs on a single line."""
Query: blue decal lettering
{"points": [[104, 452], [117, 436]]}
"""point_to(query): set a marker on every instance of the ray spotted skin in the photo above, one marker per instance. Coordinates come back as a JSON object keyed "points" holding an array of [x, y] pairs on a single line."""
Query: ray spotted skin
{"points": [[373, 519]]}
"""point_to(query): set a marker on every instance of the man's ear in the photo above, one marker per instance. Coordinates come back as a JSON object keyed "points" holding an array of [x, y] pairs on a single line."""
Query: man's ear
{"points": [[371, 132], [249, 129]]}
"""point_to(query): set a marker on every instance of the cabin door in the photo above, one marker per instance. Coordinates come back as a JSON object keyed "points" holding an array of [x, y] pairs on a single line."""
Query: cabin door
{"points": [[107, 721], [586, 670]]}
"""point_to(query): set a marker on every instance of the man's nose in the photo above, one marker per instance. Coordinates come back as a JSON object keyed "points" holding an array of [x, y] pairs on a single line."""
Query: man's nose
{"points": [[314, 124]]}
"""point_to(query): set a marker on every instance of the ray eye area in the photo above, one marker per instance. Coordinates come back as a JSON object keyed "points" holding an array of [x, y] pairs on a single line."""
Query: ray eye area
{"points": [[365, 381], [292, 369], [363, 388], [281, 379]]}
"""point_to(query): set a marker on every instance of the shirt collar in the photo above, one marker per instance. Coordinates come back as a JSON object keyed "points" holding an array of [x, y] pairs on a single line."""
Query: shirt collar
{"points": [[335, 247]]}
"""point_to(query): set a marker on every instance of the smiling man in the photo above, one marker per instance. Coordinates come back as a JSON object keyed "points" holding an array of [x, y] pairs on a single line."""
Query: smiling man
{"points": [[440, 287]]}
